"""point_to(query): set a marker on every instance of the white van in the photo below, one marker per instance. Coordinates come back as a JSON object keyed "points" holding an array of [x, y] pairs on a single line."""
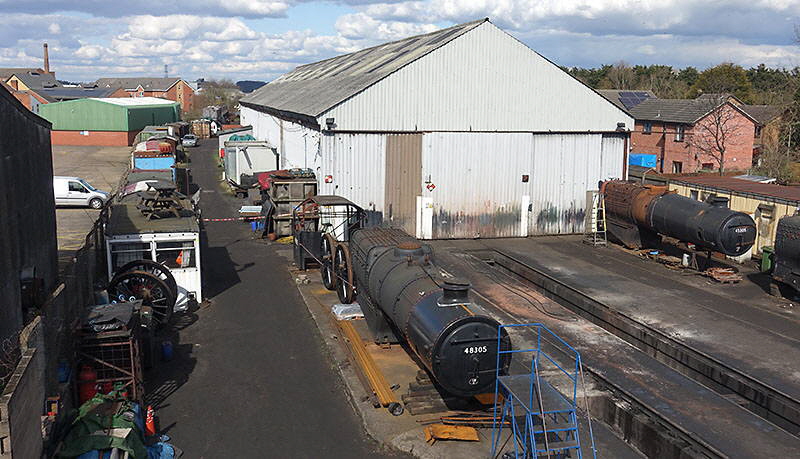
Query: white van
{"points": [[74, 191]]}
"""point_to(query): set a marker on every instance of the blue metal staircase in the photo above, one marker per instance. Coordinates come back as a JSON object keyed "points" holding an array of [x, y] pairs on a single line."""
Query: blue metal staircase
{"points": [[543, 421]]}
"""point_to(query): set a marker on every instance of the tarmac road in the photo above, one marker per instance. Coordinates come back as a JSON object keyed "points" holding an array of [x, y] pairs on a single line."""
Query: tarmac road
{"points": [[251, 377]]}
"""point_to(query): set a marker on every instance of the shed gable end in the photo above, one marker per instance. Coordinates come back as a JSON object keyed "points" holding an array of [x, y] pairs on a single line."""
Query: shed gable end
{"points": [[484, 80]]}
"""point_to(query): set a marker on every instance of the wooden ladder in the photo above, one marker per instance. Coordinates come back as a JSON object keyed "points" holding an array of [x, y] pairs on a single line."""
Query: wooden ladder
{"points": [[595, 234]]}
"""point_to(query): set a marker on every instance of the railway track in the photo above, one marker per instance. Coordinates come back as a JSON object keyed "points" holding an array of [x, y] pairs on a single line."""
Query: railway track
{"points": [[733, 383]]}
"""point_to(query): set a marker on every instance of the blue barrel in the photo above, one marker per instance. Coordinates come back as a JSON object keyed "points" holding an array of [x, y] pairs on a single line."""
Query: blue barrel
{"points": [[166, 351]]}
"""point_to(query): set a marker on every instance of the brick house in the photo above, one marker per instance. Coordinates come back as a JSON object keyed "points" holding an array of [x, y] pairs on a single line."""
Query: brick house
{"points": [[681, 133], [768, 127], [176, 89]]}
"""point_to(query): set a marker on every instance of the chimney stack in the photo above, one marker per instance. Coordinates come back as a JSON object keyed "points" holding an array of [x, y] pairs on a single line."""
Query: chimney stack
{"points": [[46, 60]]}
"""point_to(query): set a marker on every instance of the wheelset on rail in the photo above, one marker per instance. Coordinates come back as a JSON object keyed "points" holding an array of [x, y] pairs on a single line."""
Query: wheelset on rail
{"points": [[149, 281]]}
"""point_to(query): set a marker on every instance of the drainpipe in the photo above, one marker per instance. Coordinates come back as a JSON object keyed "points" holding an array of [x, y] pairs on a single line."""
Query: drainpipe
{"points": [[663, 144]]}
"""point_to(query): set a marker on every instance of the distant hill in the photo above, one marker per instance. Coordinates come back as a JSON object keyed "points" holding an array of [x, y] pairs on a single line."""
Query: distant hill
{"points": [[249, 86]]}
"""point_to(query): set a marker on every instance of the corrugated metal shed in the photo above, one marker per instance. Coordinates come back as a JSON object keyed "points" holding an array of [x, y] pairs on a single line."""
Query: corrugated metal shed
{"points": [[314, 88], [355, 164], [471, 77], [125, 114]]}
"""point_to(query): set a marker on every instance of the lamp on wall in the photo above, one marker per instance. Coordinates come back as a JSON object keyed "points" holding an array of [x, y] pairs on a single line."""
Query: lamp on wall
{"points": [[330, 123]]}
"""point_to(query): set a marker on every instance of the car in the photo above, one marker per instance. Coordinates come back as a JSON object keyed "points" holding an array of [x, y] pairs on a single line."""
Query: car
{"points": [[75, 191], [189, 140]]}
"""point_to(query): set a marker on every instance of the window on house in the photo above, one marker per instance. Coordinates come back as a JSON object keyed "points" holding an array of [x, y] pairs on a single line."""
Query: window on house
{"points": [[693, 194], [707, 166], [758, 131], [648, 127], [679, 133], [677, 167]]}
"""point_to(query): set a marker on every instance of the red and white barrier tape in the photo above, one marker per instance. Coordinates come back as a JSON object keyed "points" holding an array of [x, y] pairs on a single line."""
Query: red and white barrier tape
{"points": [[234, 219]]}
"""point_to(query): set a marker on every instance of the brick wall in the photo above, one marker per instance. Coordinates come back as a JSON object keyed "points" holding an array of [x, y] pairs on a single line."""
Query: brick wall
{"points": [[179, 92], [183, 94], [662, 142], [22, 401], [99, 138]]}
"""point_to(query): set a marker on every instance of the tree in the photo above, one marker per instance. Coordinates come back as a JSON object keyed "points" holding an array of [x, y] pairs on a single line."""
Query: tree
{"points": [[621, 76], [224, 93], [688, 76], [718, 131], [724, 78]]}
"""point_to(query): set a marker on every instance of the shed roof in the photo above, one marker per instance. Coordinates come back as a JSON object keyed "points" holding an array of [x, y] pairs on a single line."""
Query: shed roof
{"points": [[62, 93], [147, 83], [312, 89], [134, 101], [769, 190], [763, 114], [125, 218]]}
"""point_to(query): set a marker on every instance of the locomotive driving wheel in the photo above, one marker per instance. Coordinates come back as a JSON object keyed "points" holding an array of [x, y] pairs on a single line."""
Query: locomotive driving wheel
{"points": [[343, 267], [326, 269], [141, 285], [155, 268]]}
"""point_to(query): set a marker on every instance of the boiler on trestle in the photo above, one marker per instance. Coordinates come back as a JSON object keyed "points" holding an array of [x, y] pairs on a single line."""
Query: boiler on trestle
{"points": [[636, 213], [402, 298]]}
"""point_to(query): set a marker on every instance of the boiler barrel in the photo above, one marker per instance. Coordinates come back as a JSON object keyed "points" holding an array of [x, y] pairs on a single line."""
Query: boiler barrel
{"points": [[709, 226], [454, 341]]}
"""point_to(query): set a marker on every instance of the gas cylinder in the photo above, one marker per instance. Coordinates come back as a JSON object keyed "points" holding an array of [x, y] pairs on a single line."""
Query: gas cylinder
{"points": [[87, 383]]}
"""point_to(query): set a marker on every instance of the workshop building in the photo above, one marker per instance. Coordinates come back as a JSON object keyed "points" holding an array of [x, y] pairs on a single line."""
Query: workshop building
{"points": [[463, 132], [106, 121]]}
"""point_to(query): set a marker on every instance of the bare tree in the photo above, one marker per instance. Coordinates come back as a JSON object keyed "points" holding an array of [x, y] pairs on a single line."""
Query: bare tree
{"points": [[622, 76], [718, 131]]}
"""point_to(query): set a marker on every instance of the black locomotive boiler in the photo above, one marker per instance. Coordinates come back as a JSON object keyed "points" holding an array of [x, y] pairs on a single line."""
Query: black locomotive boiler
{"points": [[787, 254], [636, 213], [402, 299]]}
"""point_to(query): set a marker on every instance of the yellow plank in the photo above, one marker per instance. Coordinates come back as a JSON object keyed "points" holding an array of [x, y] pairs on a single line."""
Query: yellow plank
{"points": [[375, 377], [450, 432]]}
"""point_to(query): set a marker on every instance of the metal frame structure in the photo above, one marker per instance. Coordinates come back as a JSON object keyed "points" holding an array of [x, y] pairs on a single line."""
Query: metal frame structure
{"points": [[318, 216], [543, 421]]}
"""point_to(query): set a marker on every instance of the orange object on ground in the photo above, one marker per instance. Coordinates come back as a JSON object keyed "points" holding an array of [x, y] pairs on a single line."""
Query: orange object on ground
{"points": [[435, 432], [150, 422]]}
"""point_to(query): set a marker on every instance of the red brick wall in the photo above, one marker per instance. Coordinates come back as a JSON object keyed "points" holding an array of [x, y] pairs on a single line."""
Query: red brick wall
{"points": [[186, 100], [97, 138], [661, 142], [182, 93]]}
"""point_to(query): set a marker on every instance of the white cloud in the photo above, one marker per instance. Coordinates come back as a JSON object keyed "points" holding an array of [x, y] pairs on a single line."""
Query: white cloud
{"points": [[362, 26], [105, 8], [228, 38]]}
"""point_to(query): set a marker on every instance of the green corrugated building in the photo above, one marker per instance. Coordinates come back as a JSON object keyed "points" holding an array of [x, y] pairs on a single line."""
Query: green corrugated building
{"points": [[108, 121]]}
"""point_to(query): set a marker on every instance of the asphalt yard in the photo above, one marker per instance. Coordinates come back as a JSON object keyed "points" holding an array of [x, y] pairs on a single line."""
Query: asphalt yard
{"points": [[251, 376], [100, 166]]}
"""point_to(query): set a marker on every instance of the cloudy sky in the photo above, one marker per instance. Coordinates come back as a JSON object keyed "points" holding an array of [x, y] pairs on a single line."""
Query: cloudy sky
{"points": [[261, 39]]}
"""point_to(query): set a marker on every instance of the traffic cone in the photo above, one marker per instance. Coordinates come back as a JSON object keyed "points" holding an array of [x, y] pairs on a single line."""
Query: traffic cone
{"points": [[150, 422]]}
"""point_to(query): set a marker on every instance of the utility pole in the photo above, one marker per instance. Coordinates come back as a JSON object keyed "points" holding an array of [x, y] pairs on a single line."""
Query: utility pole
{"points": [[166, 71]]}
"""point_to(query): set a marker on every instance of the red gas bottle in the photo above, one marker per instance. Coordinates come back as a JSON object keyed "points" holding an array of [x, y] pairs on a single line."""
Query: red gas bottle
{"points": [[87, 383]]}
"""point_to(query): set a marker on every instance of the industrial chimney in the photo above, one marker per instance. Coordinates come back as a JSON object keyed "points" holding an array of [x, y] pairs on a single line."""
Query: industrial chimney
{"points": [[46, 60]]}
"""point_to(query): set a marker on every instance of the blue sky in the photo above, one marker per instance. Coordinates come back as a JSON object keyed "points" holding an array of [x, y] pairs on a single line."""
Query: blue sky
{"points": [[261, 39]]}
